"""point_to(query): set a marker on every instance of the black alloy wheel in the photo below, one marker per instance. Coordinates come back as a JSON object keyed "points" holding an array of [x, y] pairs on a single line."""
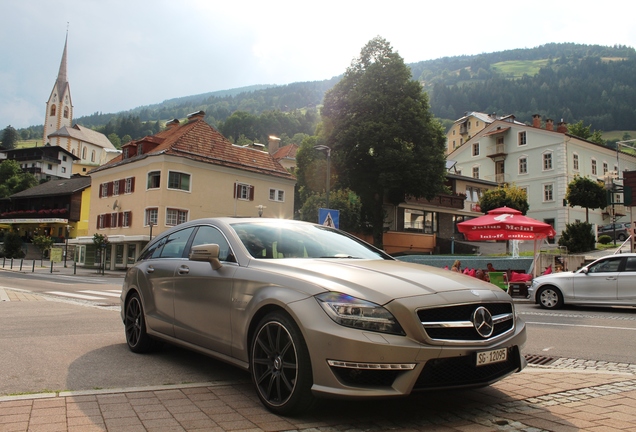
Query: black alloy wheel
{"points": [[135, 325], [280, 365]]}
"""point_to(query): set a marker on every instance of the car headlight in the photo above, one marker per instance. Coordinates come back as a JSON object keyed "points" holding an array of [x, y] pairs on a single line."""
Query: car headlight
{"points": [[361, 314]]}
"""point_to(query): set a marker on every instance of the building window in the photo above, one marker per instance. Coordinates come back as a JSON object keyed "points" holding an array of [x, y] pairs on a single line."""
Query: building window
{"points": [[548, 192], [126, 219], [151, 216], [84, 153], [52, 110], [243, 192], [103, 190], [113, 220], [277, 195], [63, 169], [140, 149], [65, 112], [64, 158], [93, 156], [605, 168], [100, 221], [176, 216], [522, 138], [547, 161], [575, 162], [154, 179], [523, 165], [525, 190], [116, 187], [130, 185], [594, 170], [49, 166], [476, 172], [473, 194], [177, 180], [125, 153], [476, 149]]}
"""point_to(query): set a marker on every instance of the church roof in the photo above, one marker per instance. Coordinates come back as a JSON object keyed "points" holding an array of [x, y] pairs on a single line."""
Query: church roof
{"points": [[197, 140], [84, 134]]}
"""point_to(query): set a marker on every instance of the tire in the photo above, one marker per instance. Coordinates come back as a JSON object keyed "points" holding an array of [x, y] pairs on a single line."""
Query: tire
{"points": [[280, 365], [621, 237], [550, 298], [135, 326]]}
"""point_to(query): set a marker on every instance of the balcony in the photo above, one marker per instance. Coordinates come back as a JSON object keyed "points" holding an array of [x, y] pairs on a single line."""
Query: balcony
{"points": [[35, 214], [497, 152], [442, 200]]}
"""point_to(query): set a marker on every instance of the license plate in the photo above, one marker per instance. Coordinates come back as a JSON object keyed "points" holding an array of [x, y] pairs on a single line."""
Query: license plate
{"points": [[494, 356]]}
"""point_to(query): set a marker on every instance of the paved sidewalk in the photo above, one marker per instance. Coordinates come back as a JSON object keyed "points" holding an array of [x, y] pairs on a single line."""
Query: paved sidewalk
{"points": [[537, 399]]}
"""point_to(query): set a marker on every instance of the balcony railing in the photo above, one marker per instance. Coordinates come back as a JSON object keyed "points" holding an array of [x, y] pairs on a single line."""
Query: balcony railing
{"points": [[33, 214], [442, 200]]}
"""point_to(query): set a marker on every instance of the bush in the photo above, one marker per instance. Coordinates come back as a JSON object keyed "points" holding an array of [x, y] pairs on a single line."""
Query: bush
{"points": [[12, 247], [604, 239], [578, 237]]}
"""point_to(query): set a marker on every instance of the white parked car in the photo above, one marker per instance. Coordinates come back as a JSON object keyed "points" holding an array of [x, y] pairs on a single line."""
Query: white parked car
{"points": [[608, 281]]}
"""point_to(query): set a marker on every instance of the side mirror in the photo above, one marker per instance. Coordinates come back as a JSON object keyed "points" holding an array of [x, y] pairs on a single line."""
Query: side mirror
{"points": [[584, 270], [208, 253]]}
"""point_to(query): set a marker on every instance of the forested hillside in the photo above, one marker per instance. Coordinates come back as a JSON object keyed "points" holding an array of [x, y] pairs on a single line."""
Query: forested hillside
{"points": [[589, 83]]}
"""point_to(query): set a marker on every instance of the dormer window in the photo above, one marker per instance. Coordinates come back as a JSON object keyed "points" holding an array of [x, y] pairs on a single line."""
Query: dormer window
{"points": [[140, 149]]}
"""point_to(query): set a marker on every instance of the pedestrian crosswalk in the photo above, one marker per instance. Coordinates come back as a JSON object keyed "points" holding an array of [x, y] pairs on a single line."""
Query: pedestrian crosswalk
{"points": [[91, 295]]}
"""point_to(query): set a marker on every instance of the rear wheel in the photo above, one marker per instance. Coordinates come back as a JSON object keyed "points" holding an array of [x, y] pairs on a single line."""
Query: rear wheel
{"points": [[280, 365], [550, 298], [135, 325], [621, 237]]}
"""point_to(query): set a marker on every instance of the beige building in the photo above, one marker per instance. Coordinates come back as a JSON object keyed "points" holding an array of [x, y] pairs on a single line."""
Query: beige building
{"points": [[186, 172], [470, 124]]}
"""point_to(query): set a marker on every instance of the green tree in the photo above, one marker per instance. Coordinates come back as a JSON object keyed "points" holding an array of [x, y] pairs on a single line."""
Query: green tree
{"points": [[577, 237], [385, 142], [10, 138], [101, 243], [43, 243], [12, 246], [504, 196], [13, 179], [585, 132], [345, 201], [587, 193], [114, 140]]}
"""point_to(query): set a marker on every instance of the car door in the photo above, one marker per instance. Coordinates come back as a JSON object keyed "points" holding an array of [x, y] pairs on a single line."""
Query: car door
{"points": [[156, 277], [600, 284], [203, 296], [627, 282]]}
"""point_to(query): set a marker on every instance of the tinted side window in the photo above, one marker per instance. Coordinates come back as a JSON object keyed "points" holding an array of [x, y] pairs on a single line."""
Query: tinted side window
{"points": [[210, 235], [153, 251], [630, 266], [605, 266], [176, 243]]}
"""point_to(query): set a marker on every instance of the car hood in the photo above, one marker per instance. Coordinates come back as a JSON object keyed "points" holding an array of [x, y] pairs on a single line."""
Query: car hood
{"points": [[552, 276], [379, 281]]}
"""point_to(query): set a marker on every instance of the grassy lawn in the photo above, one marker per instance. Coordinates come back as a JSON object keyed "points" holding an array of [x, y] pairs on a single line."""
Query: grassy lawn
{"points": [[518, 68]]}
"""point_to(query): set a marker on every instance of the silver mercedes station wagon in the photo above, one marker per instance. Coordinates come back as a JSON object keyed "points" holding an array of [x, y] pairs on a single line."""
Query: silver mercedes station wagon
{"points": [[311, 311]]}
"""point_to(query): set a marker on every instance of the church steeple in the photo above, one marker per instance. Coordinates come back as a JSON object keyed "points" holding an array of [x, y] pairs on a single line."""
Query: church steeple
{"points": [[59, 108]]}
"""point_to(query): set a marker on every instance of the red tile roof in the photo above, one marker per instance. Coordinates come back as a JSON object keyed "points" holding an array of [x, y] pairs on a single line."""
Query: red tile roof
{"points": [[199, 141], [288, 151]]}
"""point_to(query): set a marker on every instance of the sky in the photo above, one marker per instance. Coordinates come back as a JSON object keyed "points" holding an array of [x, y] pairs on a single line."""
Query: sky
{"points": [[126, 54]]}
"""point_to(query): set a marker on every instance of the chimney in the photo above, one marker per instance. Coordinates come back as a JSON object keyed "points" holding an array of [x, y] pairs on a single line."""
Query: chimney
{"points": [[172, 123], [549, 124], [272, 144], [199, 115], [562, 127], [536, 120]]}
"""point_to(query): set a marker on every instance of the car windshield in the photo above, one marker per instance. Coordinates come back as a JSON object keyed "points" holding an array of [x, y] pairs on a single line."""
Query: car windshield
{"points": [[274, 240]]}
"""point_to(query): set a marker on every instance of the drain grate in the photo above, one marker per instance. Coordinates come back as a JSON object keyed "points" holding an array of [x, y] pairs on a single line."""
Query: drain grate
{"points": [[539, 359]]}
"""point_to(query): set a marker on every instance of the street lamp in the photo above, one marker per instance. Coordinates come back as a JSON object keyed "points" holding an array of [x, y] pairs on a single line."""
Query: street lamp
{"points": [[68, 233], [151, 224], [327, 150]]}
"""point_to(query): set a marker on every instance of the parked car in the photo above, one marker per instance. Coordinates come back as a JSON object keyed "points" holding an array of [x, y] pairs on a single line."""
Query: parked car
{"points": [[608, 281], [622, 230], [313, 311]]}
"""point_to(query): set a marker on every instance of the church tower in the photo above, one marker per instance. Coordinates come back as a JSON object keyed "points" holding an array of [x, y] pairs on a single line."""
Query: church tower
{"points": [[59, 108]]}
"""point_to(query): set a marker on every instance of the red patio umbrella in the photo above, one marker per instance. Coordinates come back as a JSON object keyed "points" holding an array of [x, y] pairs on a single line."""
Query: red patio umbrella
{"points": [[504, 223]]}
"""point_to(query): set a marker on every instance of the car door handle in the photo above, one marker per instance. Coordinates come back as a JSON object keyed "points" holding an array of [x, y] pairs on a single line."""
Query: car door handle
{"points": [[183, 270], [150, 270]]}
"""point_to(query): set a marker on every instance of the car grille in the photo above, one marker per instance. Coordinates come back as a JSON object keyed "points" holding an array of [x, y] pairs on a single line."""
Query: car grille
{"points": [[455, 323], [463, 372]]}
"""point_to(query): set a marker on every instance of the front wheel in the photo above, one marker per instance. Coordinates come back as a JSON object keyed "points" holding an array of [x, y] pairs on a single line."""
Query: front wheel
{"points": [[280, 365], [550, 298]]}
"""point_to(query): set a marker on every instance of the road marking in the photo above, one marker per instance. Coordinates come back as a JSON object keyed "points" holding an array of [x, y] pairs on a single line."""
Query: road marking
{"points": [[582, 325], [73, 295], [109, 293]]}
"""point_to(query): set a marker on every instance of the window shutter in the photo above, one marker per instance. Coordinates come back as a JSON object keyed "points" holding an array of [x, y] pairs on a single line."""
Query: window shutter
{"points": [[251, 193], [106, 220], [132, 184], [235, 190], [110, 189], [120, 216], [99, 218], [129, 219]]}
